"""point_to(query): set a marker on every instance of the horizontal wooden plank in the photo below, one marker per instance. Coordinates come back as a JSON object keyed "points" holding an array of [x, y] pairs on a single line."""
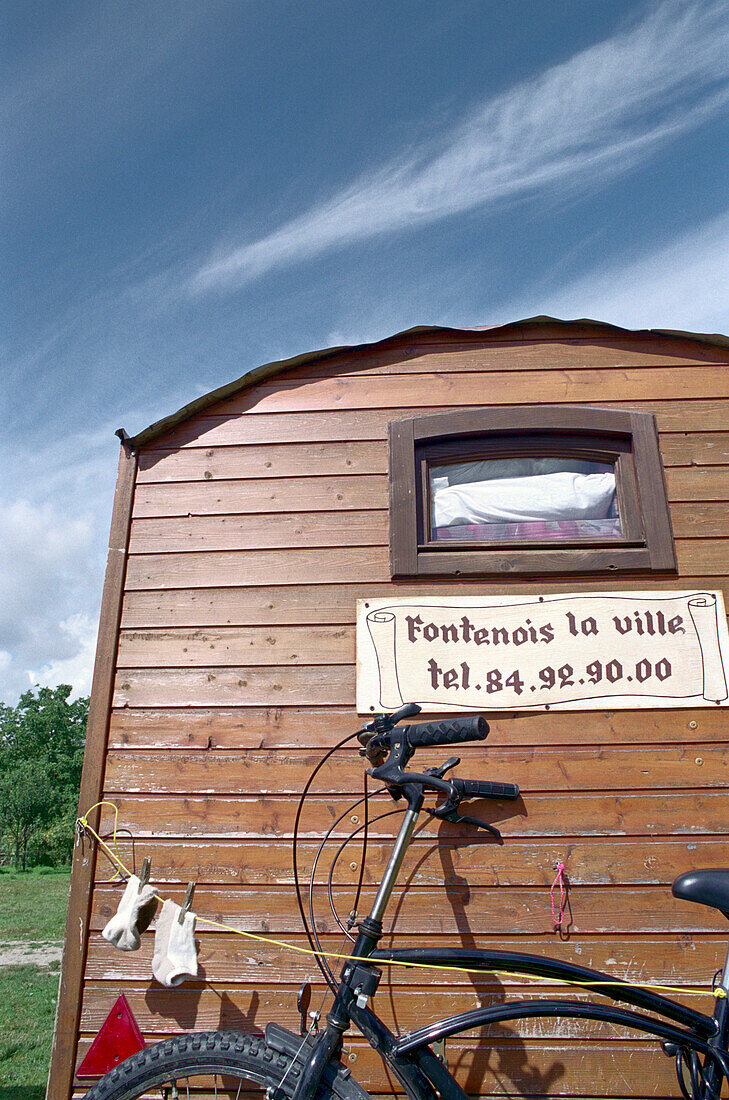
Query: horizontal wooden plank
{"points": [[234, 686], [285, 771], [646, 814], [212, 429], [433, 390], [271, 460], [554, 355], [695, 449], [298, 727], [226, 532], [256, 567], [477, 354], [276, 460], [286, 494], [369, 565], [467, 911], [235, 645], [680, 960], [432, 860], [79, 1093], [227, 1007], [674, 959], [345, 493], [181, 534], [709, 556], [525, 1069], [700, 519], [279, 604], [697, 483]]}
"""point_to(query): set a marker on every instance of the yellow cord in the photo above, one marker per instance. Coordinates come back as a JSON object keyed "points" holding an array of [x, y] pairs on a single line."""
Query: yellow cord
{"points": [[115, 857], [84, 821]]}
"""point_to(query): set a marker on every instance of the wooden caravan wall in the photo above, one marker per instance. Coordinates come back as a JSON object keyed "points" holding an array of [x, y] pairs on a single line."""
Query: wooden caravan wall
{"points": [[256, 525]]}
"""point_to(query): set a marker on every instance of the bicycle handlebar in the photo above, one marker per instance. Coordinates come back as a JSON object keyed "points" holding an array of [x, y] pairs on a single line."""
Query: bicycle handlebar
{"points": [[451, 731], [479, 788], [390, 749]]}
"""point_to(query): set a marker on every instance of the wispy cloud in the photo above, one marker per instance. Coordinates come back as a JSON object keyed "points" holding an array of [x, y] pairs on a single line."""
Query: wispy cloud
{"points": [[596, 115], [678, 285]]}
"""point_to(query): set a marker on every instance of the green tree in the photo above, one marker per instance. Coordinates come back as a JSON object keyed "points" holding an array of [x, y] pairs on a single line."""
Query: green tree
{"points": [[41, 743], [26, 805]]}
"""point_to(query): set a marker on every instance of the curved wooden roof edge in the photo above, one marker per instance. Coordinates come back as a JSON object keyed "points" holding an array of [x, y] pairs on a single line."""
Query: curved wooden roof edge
{"points": [[268, 370]]}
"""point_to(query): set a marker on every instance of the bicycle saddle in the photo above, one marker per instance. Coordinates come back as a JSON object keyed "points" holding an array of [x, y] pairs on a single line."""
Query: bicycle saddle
{"points": [[705, 887]]}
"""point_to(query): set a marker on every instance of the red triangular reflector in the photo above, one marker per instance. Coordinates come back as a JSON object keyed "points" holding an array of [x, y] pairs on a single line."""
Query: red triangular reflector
{"points": [[119, 1037]]}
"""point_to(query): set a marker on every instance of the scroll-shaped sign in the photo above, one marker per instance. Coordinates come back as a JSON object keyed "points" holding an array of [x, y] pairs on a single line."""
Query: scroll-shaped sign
{"points": [[580, 651]]}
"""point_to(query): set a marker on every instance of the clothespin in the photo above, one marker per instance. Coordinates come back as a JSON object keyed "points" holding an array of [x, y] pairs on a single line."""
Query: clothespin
{"points": [[144, 874], [187, 902]]}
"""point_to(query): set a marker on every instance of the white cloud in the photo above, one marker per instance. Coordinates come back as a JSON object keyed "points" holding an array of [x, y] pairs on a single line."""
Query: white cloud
{"points": [[51, 570], [80, 630], [56, 494], [598, 114], [681, 285]]}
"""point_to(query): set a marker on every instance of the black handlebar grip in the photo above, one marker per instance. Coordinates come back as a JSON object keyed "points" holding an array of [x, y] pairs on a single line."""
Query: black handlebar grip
{"points": [[448, 732], [477, 788]]}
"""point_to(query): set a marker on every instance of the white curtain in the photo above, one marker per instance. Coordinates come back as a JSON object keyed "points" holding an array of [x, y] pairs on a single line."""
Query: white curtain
{"points": [[565, 495]]}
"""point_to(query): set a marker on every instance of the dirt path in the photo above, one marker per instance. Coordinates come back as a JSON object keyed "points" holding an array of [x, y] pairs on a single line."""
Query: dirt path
{"points": [[29, 953]]}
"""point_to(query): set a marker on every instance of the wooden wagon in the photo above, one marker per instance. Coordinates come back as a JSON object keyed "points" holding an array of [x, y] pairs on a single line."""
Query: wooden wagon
{"points": [[245, 528]]}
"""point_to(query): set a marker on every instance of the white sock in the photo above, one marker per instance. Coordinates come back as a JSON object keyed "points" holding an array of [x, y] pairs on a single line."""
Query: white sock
{"points": [[175, 950], [135, 914]]}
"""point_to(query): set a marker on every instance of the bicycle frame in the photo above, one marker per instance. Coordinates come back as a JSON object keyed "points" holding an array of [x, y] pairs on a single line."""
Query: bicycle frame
{"points": [[422, 1073]]}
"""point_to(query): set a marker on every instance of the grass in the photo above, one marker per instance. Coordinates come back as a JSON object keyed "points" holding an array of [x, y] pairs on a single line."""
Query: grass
{"points": [[32, 908], [33, 905], [27, 1011]]}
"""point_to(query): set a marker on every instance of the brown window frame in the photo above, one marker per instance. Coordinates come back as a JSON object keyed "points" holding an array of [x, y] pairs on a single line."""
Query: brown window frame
{"points": [[627, 439]]}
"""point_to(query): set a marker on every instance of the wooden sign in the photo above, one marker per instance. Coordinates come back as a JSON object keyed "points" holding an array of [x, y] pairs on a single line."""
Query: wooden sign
{"points": [[576, 652]]}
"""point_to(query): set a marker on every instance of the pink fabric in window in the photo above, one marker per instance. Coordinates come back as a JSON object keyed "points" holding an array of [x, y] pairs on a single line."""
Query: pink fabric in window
{"points": [[531, 531]]}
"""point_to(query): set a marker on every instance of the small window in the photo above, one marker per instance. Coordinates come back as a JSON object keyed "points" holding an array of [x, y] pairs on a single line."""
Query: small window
{"points": [[528, 490]]}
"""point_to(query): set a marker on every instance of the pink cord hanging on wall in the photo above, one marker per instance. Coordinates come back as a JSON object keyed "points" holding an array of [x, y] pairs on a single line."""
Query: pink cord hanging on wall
{"points": [[558, 917]]}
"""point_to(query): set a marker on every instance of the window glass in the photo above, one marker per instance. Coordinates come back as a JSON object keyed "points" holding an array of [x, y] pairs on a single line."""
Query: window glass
{"points": [[525, 498]]}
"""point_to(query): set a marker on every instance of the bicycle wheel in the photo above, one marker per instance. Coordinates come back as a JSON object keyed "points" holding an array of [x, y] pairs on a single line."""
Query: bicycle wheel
{"points": [[221, 1064]]}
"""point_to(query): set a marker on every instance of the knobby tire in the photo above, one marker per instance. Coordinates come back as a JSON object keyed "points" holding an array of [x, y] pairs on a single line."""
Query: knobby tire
{"points": [[229, 1055]]}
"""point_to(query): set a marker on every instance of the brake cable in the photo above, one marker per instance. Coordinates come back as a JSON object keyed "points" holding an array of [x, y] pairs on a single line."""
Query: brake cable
{"points": [[332, 827], [326, 972], [363, 853], [343, 845]]}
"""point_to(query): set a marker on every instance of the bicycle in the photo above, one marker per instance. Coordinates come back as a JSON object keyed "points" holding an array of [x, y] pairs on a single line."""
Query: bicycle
{"points": [[292, 1067]]}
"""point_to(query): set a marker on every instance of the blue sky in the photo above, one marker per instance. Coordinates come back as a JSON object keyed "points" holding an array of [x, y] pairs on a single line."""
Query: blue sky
{"points": [[193, 187]]}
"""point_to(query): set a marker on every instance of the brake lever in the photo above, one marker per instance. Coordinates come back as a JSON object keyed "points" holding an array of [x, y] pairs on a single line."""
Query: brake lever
{"points": [[451, 762], [452, 815], [448, 810]]}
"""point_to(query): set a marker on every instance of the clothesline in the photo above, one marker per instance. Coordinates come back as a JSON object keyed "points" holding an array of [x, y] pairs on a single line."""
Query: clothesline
{"points": [[83, 827]]}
